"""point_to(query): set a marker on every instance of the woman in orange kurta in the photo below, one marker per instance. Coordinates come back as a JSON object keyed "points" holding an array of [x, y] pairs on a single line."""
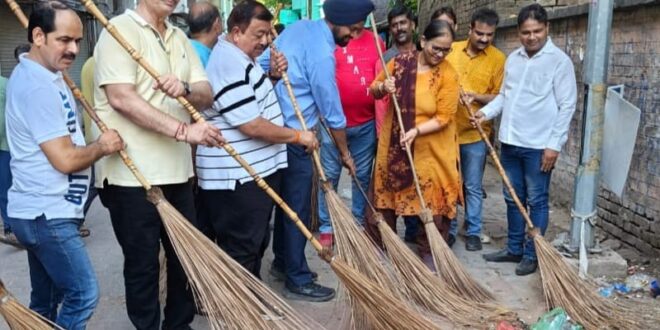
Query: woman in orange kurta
{"points": [[427, 89]]}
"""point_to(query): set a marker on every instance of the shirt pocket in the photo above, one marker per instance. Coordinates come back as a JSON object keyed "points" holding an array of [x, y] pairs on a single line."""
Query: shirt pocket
{"points": [[540, 84]]}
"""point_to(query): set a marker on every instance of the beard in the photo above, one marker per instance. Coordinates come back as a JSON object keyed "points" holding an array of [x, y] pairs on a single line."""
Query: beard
{"points": [[339, 40]]}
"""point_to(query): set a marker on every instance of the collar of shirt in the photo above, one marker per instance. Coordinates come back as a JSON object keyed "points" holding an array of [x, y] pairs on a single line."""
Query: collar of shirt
{"points": [[327, 33], [142, 22], [38, 69], [223, 44], [548, 48]]}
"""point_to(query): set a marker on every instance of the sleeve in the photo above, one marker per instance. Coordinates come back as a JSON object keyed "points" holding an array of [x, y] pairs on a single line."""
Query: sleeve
{"points": [[46, 121], [565, 93], [113, 63], [197, 72], [495, 107], [323, 85], [447, 97], [380, 77], [237, 102], [498, 76]]}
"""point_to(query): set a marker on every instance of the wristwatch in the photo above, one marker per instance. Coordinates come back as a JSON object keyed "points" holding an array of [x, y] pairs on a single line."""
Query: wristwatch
{"points": [[186, 88]]}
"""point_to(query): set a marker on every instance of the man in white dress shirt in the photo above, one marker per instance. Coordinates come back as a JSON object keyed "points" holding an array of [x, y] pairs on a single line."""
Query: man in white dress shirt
{"points": [[537, 101]]}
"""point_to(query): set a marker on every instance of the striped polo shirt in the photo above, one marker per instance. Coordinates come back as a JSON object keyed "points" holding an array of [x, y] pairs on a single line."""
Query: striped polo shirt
{"points": [[242, 93]]}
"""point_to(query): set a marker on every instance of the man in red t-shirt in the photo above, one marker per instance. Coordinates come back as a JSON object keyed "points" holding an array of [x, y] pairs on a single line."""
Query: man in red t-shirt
{"points": [[355, 70]]}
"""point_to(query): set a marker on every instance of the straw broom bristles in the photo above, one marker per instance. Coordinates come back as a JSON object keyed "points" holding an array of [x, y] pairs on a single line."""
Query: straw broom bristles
{"points": [[450, 269], [380, 302], [19, 317], [447, 265], [562, 286], [429, 290], [214, 274]]}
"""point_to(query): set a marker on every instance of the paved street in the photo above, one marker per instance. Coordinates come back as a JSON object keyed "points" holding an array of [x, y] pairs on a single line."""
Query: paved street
{"points": [[522, 294]]}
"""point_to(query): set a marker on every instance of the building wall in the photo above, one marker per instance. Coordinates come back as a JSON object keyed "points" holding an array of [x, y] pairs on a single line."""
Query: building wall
{"points": [[634, 62], [12, 33]]}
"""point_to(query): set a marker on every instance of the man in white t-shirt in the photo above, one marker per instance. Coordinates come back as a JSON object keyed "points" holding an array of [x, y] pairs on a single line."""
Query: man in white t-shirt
{"points": [[51, 169]]}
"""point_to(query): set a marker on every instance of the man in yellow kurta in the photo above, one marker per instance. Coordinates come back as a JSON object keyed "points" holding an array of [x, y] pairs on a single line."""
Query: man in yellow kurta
{"points": [[480, 69]]}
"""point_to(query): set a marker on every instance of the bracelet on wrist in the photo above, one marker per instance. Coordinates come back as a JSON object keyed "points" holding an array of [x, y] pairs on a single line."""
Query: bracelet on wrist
{"points": [[296, 140]]}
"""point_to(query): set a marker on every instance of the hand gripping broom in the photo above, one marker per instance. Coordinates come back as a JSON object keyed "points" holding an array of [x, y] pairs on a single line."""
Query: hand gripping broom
{"points": [[425, 288], [382, 308], [561, 284], [19, 317], [353, 245], [230, 295], [448, 266]]}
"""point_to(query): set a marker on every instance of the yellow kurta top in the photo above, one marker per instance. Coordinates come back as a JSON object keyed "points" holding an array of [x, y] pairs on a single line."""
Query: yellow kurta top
{"points": [[435, 155], [481, 74]]}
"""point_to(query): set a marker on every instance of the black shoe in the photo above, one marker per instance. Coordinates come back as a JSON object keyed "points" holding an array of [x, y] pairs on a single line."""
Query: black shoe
{"points": [[502, 256], [279, 275], [526, 267], [309, 292], [483, 194], [473, 243], [451, 240]]}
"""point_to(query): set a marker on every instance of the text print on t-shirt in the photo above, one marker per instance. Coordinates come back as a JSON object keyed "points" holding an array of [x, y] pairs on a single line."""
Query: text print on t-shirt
{"points": [[77, 182]]}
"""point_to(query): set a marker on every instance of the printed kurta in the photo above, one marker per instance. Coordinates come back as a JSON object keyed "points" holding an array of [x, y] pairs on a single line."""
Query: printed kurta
{"points": [[435, 155]]}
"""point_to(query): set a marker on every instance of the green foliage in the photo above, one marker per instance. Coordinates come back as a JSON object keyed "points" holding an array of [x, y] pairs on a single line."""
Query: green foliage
{"points": [[272, 4], [412, 4]]}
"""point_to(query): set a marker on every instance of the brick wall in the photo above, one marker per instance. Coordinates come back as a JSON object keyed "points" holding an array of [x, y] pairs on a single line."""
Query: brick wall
{"points": [[635, 62]]}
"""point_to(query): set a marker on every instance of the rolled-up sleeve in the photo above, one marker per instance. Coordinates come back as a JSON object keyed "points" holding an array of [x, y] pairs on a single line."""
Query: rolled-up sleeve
{"points": [[565, 93], [324, 90]]}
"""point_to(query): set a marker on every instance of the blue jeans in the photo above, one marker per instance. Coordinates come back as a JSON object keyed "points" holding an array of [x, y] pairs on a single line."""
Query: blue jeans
{"points": [[473, 160], [362, 146], [288, 242], [523, 166], [60, 270], [5, 183]]}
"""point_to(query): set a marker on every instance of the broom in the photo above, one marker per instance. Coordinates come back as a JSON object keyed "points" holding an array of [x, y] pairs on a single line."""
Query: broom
{"points": [[19, 317], [238, 300], [383, 309], [424, 287], [561, 284], [353, 245], [447, 265]]}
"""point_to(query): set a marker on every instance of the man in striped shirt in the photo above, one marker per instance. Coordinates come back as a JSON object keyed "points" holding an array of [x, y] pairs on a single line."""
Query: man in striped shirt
{"points": [[246, 110]]}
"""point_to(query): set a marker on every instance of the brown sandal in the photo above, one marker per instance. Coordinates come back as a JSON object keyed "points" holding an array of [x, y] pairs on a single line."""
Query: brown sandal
{"points": [[84, 232]]}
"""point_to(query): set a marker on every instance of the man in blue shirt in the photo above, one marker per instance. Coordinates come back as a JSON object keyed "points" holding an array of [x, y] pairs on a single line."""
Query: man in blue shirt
{"points": [[309, 48], [205, 26]]}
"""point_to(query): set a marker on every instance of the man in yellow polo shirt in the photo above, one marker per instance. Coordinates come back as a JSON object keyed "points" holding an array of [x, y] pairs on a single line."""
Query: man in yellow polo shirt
{"points": [[158, 134], [480, 68]]}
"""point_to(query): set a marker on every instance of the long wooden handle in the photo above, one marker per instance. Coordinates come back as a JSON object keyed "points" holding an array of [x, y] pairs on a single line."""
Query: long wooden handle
{"points": [[92, 9], [398, 113], [500, 168], [296, 108], [88, 108]]}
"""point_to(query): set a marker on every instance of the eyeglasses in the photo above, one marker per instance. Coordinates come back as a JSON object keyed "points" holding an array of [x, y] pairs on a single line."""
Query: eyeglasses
{"points": [[439, 50]]}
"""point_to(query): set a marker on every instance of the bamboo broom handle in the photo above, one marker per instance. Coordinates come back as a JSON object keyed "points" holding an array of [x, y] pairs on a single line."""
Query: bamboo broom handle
{"points": [[398, 112], [498, 164], [18, 12], [296, 109], [353, 176], [198, 118], [88, 108]]}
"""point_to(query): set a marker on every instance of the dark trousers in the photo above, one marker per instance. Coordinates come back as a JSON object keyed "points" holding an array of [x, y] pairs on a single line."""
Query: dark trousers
{"points": [[139, 230], [240, 220], [288, 242]]}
